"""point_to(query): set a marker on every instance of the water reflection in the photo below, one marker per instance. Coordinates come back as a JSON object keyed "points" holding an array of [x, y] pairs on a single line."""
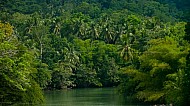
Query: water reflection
{"points": [[84, 97]]}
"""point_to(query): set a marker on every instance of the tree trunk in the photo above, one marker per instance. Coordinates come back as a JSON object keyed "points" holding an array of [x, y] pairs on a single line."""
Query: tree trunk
{"points": [[41, 51]]}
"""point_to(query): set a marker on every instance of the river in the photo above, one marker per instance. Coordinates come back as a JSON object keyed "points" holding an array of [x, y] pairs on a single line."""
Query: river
{"points": [[85, 97]]}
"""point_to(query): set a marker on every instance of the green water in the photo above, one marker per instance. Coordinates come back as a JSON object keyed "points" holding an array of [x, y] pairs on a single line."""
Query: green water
{"points": [[85, 97]]}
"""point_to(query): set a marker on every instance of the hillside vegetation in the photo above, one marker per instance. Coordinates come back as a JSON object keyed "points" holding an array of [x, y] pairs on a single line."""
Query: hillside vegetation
{"points": [[141, 46]]}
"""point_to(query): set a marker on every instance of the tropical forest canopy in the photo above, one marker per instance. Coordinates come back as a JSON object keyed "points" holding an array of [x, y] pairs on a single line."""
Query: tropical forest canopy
{"points": [[141, 46]]}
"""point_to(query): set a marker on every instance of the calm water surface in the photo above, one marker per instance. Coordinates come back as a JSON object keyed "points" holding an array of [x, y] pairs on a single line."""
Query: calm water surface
{"points": [[85, 97]]}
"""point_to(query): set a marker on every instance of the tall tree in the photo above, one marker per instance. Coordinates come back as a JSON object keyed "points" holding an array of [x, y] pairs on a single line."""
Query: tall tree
{"points": [[16, 65]]}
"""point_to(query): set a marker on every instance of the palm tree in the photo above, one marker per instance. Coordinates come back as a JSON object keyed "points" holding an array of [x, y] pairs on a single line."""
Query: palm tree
{"points": [[110, 30], [29, 25], [57, 26], [95, 32], [126, 50]]}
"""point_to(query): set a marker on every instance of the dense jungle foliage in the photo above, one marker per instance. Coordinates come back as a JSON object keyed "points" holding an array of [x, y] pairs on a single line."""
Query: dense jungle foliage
{"points": [[142, 46]]}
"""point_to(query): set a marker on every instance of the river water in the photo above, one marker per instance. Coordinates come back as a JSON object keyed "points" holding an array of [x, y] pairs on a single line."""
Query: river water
{"points": [[85, 97]]}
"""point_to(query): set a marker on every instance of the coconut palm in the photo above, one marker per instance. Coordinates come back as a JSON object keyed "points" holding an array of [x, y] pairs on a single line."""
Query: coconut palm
{"points": [[126, 50], [56, 26]]}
